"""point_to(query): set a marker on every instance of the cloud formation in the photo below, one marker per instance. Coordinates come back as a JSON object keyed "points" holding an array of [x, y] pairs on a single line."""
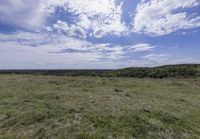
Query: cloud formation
{"points": [[93, 33], [40, 48], [101, 16], [161, 17], [98, 18]]}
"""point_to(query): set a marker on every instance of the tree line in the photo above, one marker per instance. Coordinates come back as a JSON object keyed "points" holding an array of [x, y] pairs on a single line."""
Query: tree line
{"points": [[183, 70]]}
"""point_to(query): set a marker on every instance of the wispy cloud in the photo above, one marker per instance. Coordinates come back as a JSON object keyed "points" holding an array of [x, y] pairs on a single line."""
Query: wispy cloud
{"points": [[141, 47], [156, 57]]}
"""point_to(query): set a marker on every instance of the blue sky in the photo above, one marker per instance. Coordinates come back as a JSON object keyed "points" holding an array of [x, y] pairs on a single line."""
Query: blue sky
{"points": [[98, 34]]}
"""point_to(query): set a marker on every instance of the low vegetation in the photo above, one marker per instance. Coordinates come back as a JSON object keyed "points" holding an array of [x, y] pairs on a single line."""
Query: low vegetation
{"points": [[186, 70], [62, 107]]}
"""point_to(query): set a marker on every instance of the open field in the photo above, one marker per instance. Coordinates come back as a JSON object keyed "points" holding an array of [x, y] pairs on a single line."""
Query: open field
{"points": [[61, 107]]}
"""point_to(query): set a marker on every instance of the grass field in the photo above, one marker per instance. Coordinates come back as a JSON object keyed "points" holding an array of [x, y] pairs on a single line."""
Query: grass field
{"points": [[61, 107]]}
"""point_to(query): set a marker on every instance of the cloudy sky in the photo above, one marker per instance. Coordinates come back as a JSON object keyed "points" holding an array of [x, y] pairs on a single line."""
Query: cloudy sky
{"points": [[93, 34]]}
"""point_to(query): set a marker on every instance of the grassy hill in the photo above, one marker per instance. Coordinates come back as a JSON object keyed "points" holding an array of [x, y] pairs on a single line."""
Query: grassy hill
{"points": [[63, 107]]}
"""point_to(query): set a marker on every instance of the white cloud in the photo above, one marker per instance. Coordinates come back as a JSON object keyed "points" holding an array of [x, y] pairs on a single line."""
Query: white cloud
{"points": [[102, 16], [141, 47], [72, 30], [158, 17], [21, 35], [29, 14], [84, 21], [53, 49], [16, 55], [156, 57], [21, 56], [186, 60], [58, 51], [57, 42]]}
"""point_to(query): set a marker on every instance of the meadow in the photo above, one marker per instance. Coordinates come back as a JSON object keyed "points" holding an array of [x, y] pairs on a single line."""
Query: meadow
{"points": [[64, 107]]}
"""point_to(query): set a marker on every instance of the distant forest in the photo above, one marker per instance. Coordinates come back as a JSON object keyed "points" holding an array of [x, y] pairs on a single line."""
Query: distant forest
{"points": [[182, 70]]}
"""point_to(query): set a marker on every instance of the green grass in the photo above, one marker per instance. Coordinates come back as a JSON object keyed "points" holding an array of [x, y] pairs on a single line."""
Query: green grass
{"points": [[56, 107]]}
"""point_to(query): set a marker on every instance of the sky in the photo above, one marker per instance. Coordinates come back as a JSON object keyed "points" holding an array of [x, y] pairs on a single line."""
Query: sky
{"points": [[98, 34]]}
